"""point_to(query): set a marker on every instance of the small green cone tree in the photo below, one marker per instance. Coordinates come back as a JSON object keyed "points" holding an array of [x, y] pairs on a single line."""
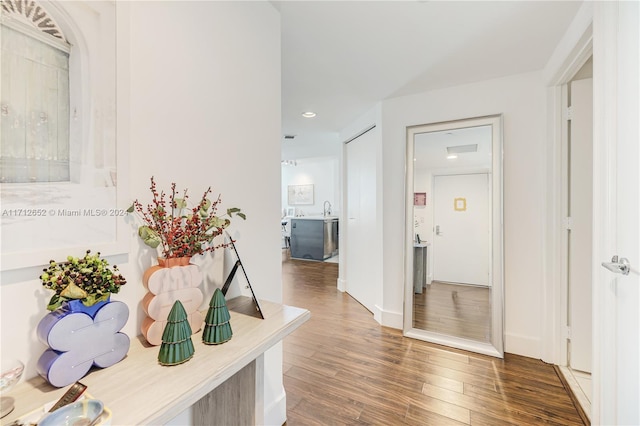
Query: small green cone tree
{"points": [[217, 328], [177, 346]]}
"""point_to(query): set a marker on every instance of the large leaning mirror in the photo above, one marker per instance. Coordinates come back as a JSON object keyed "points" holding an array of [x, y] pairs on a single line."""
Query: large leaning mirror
{"points": [[453, 240]]}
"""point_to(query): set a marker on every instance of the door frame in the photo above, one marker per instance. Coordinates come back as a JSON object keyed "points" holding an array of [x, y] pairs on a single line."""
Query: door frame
{"points": [[555, 288], [599, 22], [565, 262], [555, 311], [616, 92]]}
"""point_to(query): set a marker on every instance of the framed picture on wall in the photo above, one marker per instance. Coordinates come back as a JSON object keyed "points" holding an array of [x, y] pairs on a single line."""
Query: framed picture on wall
{"points": [[56, 199], [300, 195], [419, 198]]}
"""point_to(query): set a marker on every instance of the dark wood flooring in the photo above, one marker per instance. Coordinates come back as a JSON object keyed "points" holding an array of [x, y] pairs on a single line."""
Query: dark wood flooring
{"points": [[343, 368], [454, 309]]}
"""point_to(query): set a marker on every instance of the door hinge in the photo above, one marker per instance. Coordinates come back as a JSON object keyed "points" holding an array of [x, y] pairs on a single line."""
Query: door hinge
{"points": [[568, 113], [567, 333], [566, 223]]}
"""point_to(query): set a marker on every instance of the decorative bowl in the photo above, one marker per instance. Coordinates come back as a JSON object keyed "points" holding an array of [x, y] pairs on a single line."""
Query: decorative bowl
{"points": [[11, 372], [81, 413]]}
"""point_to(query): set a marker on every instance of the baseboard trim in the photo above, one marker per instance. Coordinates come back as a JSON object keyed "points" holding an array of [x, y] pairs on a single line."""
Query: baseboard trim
{"points": [[341, 285], [574, 399], [391, 319], [276, 412], [522, 345], [377, 314]]}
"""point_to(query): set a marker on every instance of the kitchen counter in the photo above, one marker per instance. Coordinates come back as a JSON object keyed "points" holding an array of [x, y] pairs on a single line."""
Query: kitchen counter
{"points": [[329, 218], [314, 237]]}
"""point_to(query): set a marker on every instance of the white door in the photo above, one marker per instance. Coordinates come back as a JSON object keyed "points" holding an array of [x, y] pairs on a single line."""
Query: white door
{"points": [[580, 232], [361, 219], [616, 367], [462, 229]]}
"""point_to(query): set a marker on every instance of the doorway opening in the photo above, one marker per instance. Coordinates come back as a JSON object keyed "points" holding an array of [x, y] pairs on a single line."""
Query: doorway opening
{"points": [[577, 218], [310, 194]]}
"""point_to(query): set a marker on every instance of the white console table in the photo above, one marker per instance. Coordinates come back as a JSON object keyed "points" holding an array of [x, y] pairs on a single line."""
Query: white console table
{"points": [[224, 382]]}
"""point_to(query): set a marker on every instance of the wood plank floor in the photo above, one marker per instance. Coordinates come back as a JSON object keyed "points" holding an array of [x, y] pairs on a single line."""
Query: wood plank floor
{"points": [[455, 309], [343, 368]]}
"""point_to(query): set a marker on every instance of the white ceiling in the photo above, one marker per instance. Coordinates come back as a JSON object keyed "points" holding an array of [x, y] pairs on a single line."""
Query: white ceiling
{"points": [[339, 58], [430, 149]]}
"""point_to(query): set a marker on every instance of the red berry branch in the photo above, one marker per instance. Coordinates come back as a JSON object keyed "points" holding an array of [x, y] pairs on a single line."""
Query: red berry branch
{"points": [[182, 231]]}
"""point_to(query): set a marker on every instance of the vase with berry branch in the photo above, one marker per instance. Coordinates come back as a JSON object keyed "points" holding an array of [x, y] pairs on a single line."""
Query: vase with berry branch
{"points": [[179, 231]]}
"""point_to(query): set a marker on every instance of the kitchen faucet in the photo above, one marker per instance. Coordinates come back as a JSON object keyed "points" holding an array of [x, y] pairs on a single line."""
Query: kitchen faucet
{"points": [[327, 210]]}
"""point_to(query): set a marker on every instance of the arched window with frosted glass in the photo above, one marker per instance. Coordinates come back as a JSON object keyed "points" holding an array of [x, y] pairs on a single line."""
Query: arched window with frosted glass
{"points": [[35, 96]]}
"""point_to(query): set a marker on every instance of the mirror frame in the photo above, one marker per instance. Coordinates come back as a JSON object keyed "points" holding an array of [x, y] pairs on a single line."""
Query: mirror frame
{"points": [[496, 345]]}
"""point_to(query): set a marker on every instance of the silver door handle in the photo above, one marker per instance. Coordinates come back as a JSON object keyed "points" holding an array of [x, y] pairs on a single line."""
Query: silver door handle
{"points": [[621, 266], [438, 230]]}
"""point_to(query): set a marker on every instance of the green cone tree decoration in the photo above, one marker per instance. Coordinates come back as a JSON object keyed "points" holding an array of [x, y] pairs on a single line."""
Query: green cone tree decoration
{"points": [[217, 328], [177, 346]]}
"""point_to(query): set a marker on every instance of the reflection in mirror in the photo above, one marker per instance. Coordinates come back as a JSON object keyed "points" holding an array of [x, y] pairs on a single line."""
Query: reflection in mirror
{"points": [[58, 134], [455, 235]]}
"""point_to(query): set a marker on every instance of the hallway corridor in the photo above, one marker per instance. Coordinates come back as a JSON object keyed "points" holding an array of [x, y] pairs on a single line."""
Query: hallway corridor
{"points": [[341, 367]]}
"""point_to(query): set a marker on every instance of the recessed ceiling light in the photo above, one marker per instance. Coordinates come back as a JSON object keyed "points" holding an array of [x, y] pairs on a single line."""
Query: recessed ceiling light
{"points": [[309, 114], [452, 157], [462, 149]]}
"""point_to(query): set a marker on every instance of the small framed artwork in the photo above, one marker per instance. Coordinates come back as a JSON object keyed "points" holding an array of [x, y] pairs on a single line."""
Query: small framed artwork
{"points": [[460, 204], [419, 198], [300, 195]]}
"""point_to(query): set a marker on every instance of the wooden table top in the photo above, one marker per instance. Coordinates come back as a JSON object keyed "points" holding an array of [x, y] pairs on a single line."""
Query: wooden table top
{"points": [[139, 391]]}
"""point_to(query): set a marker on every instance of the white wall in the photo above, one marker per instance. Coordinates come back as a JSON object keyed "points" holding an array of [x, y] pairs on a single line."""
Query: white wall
{"points": [[311, 146], [323, 173], [204, 88], [423, 214], [521, 98]]}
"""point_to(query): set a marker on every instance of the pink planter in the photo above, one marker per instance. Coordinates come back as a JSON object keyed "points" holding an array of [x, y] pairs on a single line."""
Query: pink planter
{"points": [[178, 280]]}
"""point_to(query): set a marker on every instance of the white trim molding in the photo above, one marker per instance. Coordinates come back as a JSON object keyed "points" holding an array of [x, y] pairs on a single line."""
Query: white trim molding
{"points": [[572, 52]]}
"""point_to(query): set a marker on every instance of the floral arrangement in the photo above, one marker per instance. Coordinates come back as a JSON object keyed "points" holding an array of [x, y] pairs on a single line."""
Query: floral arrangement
{"points": [[182, 231], [88, 279]]}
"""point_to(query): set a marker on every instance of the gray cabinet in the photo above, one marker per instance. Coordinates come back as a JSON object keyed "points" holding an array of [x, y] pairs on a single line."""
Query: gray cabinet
{"points": [[420, 266], [314, 239]]}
